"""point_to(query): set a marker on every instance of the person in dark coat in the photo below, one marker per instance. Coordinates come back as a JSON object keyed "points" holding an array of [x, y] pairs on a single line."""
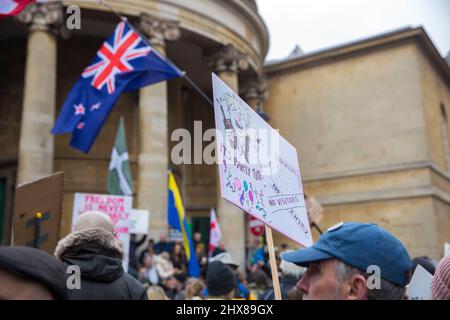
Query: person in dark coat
{"points": [[95, 250], [31, 274], [133, 263], [163, 245], [291, 274]]}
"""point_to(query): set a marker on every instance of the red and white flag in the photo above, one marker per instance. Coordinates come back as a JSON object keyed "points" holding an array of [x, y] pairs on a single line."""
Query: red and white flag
{"points": [[215, 235], [13, 7]]}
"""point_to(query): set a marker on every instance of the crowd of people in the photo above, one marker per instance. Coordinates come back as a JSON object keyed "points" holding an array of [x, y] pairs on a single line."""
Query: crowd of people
{"points": [[163, 268], [338, 266]]}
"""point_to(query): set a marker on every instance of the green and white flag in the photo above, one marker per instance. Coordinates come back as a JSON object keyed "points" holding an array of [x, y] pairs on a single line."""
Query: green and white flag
{"points": [[120, 181]]}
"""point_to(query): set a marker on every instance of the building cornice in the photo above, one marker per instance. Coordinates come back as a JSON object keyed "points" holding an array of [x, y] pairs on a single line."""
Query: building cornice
{"points": [[428, 190], [198, 19], [417, 35], [378, 170], [385, 195]]}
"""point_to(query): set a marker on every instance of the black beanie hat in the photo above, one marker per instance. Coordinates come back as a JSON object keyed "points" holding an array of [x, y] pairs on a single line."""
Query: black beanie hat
{"points": [[36, 265], [220, 279]]}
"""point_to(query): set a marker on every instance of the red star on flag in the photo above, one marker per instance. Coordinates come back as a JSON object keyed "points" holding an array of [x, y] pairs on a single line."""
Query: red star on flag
{"points": [[80, 125], [79, 109]]}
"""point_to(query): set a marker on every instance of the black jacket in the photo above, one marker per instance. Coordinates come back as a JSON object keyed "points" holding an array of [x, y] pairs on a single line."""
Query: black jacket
{"points": [[286, 284], [99, 256]]}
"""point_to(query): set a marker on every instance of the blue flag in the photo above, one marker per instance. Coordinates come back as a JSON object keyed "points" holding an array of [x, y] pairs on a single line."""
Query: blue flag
{"points": [[177, 220], [125, 62]]}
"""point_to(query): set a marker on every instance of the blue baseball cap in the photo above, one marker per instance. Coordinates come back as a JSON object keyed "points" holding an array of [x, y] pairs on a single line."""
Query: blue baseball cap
{"points": [[359, 245]]}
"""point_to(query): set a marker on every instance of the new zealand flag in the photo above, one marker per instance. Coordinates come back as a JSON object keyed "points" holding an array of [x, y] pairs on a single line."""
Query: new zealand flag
{"points": [[125, 62]]}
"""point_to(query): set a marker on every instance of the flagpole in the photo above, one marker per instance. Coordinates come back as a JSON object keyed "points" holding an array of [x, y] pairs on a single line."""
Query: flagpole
{"points": [[184, 75], [106, 4], [196, 88]]}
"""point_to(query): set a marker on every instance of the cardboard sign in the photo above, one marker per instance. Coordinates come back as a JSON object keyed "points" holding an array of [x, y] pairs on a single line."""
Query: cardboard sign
{"points": [[420, 286], [44, 196], [139, 221], [315, 210], [259, 170], [117, 207]]}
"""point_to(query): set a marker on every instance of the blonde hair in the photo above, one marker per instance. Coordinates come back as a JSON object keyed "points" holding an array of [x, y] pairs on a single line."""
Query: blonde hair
{"points": [[156, 293], [194, 289]]}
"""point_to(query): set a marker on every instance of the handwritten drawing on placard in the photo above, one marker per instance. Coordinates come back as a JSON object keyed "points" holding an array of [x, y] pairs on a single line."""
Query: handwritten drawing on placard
{"points": [[118, 208], [259, 170]]}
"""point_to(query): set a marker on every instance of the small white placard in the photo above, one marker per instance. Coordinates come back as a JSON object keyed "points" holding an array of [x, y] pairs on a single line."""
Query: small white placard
{"points": [[420, 286], [139, 221]]}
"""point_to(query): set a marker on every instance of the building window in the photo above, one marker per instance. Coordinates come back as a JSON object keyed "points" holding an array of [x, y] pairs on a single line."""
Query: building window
{"points": [[444, 129]]}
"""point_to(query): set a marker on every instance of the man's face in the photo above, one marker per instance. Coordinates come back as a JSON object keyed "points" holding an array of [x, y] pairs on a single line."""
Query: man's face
{"points": [[14, 287], [320, 282]]}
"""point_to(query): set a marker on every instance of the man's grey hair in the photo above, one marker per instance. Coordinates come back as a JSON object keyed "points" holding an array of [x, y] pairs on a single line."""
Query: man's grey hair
{"points": [[387, 290]]}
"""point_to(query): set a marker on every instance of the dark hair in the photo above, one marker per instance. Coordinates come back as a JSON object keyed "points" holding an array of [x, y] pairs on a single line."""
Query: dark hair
{"points": [[387, 290], [425, 262]]}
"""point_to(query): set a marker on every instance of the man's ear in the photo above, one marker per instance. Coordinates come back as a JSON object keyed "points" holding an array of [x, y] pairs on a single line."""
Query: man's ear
{"points": [[357, 288]]}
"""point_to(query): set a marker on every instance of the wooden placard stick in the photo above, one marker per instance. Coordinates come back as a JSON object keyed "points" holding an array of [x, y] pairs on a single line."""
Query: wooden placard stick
{"points": [[273, 263]]}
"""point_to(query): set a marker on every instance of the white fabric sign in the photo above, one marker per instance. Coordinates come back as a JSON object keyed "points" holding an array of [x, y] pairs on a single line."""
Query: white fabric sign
{"points": [[259, 170], [117, 207], [215, 234]]}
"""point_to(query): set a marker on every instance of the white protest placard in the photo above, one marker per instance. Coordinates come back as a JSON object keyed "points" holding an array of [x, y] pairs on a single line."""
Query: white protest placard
{"points": [[419, 287], [118, 208], [259, 170], [139, 221], [446, 249]]}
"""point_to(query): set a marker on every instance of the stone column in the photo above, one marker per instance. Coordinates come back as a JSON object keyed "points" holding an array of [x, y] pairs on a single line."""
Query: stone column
{"points": [[255, 92], [36, 144], [153, 137], [226, 64]]}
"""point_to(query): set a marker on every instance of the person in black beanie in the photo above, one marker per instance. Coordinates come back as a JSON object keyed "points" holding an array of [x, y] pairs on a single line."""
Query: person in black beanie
{"points": [[31, 274], [220, 281]]}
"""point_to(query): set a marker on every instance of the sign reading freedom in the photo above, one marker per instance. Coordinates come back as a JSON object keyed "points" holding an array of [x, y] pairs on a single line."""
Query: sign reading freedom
{"points": [[259, 170], [118, 208]]}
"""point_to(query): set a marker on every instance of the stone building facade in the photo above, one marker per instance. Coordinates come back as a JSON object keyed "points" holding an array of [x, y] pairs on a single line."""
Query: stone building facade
{"points": [[367, 118], [44, 60], [370, 122]]}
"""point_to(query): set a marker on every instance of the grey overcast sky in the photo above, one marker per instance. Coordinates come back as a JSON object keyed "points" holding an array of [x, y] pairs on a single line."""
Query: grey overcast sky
{"points": [[318, 24]]}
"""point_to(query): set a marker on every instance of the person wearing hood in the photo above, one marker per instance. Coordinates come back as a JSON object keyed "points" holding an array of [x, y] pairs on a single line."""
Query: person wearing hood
{"points": [[95, 250]]}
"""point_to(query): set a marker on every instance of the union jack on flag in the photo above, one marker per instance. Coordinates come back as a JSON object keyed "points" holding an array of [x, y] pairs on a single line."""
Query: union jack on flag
{"points": [[114, 59], [125, 62]]}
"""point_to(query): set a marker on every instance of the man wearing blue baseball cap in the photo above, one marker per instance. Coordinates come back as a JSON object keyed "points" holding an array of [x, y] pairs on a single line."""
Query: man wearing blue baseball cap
{"points": [[353, 261]]}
